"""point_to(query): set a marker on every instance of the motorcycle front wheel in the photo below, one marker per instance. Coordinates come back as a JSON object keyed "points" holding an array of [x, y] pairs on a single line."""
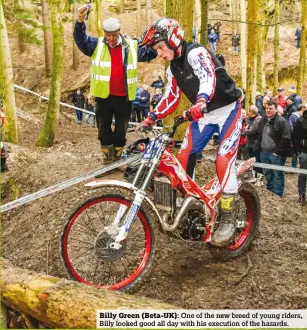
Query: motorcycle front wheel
{"points": [[85, 244], [247, 211]]}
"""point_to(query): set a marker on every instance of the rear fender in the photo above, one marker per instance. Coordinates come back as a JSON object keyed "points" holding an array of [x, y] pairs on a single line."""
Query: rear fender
{"points": [[111, 183]]}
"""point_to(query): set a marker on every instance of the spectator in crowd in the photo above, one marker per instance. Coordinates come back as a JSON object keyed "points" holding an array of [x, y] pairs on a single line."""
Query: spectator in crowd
{"points": [[268, 93], [281, 99], [209, 28], [300, 147], [297, 100], [251, 132], [156, 98], [301, 108], [243, 149], [298, 36], [292, 121], [212, 38], [136, 110], [90, 105], [3, 167], [154, 102], [78, 101], [158, 83], [216, 28], [290, 108], [259, 104], [114, 84], [195, 30], [134, 37], [145, 101], [236, 43], [273, 141], [265, 100]]}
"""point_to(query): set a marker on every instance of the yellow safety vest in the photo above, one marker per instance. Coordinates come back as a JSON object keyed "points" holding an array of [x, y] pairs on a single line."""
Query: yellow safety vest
{"points": [[101, 69]]}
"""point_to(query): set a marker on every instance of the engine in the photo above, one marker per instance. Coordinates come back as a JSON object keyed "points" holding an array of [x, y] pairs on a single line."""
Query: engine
{"points": [[192, 226]]}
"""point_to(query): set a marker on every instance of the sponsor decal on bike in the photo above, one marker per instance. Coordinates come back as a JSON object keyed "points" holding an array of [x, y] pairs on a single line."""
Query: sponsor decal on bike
{"points": [[229, 144], [131, 216]]}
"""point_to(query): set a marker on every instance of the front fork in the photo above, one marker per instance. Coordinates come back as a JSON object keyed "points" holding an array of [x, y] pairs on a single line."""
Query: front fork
{"points": [[131, 214]]}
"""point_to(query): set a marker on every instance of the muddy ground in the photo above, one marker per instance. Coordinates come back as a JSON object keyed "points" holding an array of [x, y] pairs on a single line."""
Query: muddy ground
{"points": [[186, 274]]}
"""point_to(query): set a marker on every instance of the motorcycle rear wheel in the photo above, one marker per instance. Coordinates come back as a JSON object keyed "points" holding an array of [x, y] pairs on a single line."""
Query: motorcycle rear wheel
{"points": [[248, 213], [121, 270]]}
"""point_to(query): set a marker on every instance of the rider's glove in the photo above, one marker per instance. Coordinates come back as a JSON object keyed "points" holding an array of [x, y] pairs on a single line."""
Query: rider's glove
{"points": [[196, 111], [146, 123]]}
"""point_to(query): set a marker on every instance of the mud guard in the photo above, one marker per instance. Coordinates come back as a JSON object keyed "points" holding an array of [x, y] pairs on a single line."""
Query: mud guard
{"points": [[102, 183]]}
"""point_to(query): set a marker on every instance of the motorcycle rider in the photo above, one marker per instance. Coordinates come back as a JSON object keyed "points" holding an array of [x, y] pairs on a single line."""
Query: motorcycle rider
{"points": [[197, 73]]}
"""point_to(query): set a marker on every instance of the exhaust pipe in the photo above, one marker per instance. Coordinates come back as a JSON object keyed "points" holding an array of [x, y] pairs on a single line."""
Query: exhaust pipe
{"points": [[188, 204]]}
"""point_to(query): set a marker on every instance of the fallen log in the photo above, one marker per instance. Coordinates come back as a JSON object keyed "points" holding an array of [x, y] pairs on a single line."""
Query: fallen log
{"points": [[60, 303]]}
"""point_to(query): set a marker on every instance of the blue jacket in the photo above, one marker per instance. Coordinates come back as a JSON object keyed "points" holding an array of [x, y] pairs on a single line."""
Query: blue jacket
{"points": [[144, 99], [139, 91], [212, 37], [88, 44], [297, 100]]}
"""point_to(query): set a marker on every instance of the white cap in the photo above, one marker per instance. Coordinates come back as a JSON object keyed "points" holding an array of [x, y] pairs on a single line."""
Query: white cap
{"points": [[111, 25]]}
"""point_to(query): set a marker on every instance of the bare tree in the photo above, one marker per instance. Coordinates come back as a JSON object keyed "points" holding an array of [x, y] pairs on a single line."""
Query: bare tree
{"points": [[122, 6], [243, 41], [7, 83], [302, 62], [149, 11], [260, 50], [204, 23], [276, 47], [181, 11], [138, 17], [47, 37], [252, 18], [75, 50], [47, 134]]}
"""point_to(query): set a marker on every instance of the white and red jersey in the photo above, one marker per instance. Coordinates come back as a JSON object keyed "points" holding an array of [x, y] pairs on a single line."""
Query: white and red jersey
{"points": [[203, 68]]}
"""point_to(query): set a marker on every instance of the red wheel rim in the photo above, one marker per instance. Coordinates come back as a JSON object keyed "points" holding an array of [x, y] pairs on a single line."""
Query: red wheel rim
{"points": [[241, 239], [143, 260]]}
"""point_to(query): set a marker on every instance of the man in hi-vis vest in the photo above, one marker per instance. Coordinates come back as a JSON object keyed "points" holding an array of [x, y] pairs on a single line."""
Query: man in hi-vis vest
{"points": [[113, 79]]}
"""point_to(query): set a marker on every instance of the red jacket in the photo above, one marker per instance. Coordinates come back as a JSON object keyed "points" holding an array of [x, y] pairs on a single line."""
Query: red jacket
{"points": [[242, 141], [281, 100]]}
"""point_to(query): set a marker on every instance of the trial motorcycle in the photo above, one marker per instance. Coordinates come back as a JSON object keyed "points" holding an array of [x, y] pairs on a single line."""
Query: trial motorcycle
{"points": [[110, 240]]}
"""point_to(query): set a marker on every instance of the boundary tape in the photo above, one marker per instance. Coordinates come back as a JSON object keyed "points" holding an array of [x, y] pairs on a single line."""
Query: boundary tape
{"points": [[68, 105], [65, 184]]}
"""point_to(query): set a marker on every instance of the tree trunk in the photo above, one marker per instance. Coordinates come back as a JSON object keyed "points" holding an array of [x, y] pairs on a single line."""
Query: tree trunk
{"points": [[260, 51], [138, 18], [61, 303], [47, 37], [204, 23], [252, 13], [7, 82], [3, 317], [181, 11], [47, 133], [243, 41], [302, 62], [149, 12], [98, 17], [232, 14], [276, 48], [75, 49], [122, 6]]}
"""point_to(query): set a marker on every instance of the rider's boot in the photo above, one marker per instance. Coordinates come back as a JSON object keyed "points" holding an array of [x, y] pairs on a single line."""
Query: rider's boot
{"points": [[227, 227], [108, 154], [117, 152]]}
